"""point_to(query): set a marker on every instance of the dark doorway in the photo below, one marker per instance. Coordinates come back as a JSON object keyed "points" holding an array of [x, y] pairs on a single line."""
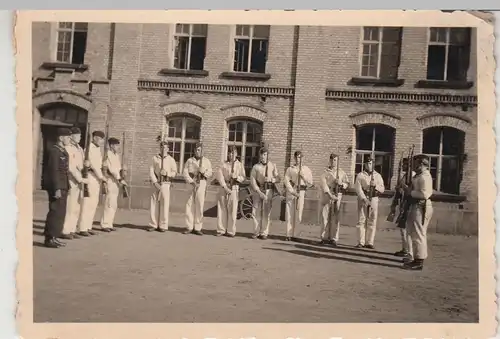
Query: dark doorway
{"points": [[53, 117]]}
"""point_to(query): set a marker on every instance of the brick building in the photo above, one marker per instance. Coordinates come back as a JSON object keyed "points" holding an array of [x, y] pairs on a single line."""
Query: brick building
{"points": [[350, 90]]}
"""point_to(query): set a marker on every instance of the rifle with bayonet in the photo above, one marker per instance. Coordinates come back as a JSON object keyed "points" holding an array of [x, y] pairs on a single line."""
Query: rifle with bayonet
{"points": [[123, 170], [405, 199], [86, 162]]}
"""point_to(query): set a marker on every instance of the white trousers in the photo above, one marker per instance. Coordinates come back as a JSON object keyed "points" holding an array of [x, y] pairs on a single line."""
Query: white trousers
{"points": [[293, 208], [330, 219], [261, 225], [406, 241], [110, 204], [89, 204], [160, 204], [417, 230], [227, 210], [73, 207], [366, 229], [194, 207]]}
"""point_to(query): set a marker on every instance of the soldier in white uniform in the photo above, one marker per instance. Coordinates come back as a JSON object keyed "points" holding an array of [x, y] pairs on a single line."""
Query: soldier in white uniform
{"points": [[331, 219], [293, 197], [113, 182], [161, 180], [366, 181], [263, 177], [230, 175], [95, 178], [76, 156], [197, 172], [420, 212]]}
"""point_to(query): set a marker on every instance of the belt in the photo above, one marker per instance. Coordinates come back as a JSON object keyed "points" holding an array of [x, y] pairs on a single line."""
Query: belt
{"points": [[231, 183], [374, 195], [266, 186], [301, 187], [202, 177], [420, 202]]}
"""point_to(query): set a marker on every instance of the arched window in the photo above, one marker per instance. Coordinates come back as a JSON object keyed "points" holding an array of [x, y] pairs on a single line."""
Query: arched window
{"points": [[182, 135], [445, 147], [376, 140], [246, 135]]}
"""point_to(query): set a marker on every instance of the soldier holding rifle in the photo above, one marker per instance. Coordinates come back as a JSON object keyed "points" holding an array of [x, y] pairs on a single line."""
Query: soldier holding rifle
{"points": [[197, 171], [334, 181], [369, 185], [161, 172], [230, 175], [297, 178]]}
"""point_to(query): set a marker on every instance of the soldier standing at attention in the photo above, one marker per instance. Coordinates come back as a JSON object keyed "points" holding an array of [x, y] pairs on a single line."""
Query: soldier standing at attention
{"points": [[230, 175], [420, 212], [296, 195], [262, 179], [113, 181], [368, 183], [95, 178], [56, 183], [331, 219], [76, 156], [197, 171], [161, 171]]}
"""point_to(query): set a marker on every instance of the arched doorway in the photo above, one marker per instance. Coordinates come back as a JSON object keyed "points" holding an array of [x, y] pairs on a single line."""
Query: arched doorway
{"points": [[52, 117]]}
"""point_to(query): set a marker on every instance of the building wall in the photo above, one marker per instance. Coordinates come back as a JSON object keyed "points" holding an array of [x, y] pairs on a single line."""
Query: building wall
{"points": [[303, 62]]}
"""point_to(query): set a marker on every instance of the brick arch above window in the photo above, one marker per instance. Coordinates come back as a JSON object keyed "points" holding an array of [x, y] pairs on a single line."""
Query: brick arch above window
{"points": [[43, 99], [384, 118], [232, 112], [189, 107], [444, 119]]}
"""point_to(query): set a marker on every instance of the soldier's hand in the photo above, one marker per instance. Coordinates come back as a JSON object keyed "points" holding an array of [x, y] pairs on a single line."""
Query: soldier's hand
{"points": [[273, 180], [163, 172], [344, 185], [263, 196], [57, 194], [84, 181], [235, 176], [366, 202], [157, 186], [228, 191], [124, 183], [295, 194]]}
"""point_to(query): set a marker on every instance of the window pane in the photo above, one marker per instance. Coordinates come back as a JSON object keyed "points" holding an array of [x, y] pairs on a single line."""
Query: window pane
{"points": [[175, 151], [182, 28], [189, 148], [364, 138], [243, 30], [453, 141], [81, 26], [383, 165], [435, 62], [200, 29], [82, 117], [236, 131], [71, 116], [254, 133], [431, 140], [192, 129], [198, 48], [175, 128], [459, 36], [181, 52], [241, 50], [261, 31], [251, 158], [457, 63], [433, 170], [259, 56], [450, 176], [384, 138], [79, 47], [370, 33], [66, 25]]}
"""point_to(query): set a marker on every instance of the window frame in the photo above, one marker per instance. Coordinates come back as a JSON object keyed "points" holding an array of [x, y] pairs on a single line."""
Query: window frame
{"points": [[243, 143], [182, 140], [173, 45], [379, 52], [56, 30], [251, 38]]}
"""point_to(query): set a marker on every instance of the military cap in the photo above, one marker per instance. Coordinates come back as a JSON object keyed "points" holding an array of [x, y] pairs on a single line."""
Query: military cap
{"points": [[263, 150], [113, 141], [369, 159], [163, 143], [63, 132], [75, 130], [297, 153], [98, 134], [333, 156], [422, 158], [198, 145], [232, 149]]}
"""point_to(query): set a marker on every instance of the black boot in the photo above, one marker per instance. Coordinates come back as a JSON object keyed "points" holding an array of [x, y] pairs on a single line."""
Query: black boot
{"points": [[51, 243], [415, 265]]}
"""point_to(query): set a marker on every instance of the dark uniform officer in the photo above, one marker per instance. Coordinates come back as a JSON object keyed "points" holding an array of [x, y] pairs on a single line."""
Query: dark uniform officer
{"points": [[57, 185]]}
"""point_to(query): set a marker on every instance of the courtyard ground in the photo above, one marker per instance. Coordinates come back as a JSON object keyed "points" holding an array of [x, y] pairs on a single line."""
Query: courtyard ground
{"points": [[137, 276]]}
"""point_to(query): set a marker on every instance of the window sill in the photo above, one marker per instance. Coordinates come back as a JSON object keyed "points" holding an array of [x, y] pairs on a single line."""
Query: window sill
{"points": [[183, 72], [64, 66], [246, 76], [359, 81], [442, 84]]}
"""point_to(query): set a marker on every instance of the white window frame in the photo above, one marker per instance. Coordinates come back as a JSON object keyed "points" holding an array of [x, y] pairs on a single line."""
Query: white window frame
{"points": [[371, 42], [190, 35], [182, 139], [439, 157], [55, 38], [243, 143], [250, 37]]}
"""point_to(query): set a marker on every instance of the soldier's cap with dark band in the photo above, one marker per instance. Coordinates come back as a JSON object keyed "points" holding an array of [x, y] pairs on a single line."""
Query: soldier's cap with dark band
{"points": [[422, 158], [63, 132], [98, 134], [263, 150], [164, 143], [333, 156], [198, 145], [297, 153], [75, 130], [369, 159], [113, 141]]}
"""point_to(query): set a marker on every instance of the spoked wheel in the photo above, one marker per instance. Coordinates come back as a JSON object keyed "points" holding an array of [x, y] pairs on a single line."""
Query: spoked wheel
{"points": [[246, 207]]}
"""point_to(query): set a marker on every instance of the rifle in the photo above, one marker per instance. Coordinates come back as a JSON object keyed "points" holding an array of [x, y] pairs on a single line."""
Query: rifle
{"points": [[265, 190], [370, 195], [86, 162], [123, 170], [299, 173], [397, 194], [231, 183], [405, 201], [104, 166], [197, 181]]}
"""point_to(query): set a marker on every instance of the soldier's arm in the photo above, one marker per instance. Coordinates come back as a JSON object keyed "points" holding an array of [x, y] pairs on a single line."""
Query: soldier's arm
{"points": [[323, 182], [287, 179], [152, 175], [425, 188], [73, 168], [276, 174], [115, 172], [241, 175], [307, 176], [359, 188], [58, 183], [94, 158], [220, 176], [253, 180], [379, 183], [185, 172], [208, 169], [172, 168]]}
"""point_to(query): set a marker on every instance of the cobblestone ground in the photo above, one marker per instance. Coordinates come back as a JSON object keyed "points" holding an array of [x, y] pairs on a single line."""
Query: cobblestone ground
{"points": [[136, 276]]}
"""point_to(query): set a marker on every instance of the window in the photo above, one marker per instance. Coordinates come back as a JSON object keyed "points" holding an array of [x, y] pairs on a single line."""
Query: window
{"points": [[445, 147], [377, 141], [448, 54], [71, 42], [190, 42], [381, 51], [182, 135], [246, 137], [250, 48]]}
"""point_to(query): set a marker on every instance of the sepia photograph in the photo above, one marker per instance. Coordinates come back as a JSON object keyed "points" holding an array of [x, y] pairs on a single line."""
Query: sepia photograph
{"points": [[256, 172]]}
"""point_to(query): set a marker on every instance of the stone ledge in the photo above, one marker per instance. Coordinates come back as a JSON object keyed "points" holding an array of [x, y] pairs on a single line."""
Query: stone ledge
{"points": [[360, 81], [443, 84], [183, 72], [62, 66], [246, 76]]}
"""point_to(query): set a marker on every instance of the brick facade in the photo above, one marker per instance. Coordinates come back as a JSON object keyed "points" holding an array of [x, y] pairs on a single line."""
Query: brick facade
{"points": [[309, 102]]}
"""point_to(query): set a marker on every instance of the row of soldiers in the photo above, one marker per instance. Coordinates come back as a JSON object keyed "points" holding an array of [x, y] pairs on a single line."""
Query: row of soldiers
{"points": [[71, 215]]}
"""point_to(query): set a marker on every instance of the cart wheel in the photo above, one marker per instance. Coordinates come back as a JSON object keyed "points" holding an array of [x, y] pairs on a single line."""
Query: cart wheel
{"points": [[246, 207]]}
